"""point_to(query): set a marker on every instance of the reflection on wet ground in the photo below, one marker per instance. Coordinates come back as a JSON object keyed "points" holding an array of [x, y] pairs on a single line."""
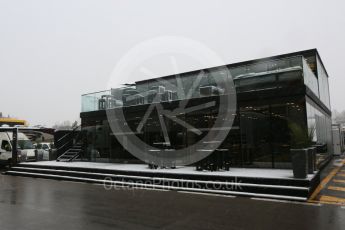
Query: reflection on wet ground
{"points": [[28, 203], [332, 187]]}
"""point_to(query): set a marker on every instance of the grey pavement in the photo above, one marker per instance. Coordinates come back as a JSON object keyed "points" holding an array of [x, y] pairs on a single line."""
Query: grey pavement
{"points": [[27, 203]]}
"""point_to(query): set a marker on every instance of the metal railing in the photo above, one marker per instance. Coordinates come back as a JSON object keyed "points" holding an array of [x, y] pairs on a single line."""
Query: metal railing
{"points": [[68, 140]]}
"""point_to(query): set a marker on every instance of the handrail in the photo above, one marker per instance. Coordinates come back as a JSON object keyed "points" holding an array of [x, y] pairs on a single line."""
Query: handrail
{"points": [[66, 135], [74, 129], [102, 91], [63, 145], [259, 61]]}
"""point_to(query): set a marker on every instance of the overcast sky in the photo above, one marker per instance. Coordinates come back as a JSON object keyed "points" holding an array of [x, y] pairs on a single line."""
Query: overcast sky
{"points": [[51, 52]]}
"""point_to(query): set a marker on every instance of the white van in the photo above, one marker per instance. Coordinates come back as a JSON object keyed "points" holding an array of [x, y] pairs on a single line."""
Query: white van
{"points": [[5, 148], [25, 147], [43, 150]]}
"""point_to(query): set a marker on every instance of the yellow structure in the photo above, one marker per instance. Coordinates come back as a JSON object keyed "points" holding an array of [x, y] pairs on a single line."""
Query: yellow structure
{"points": [[12, 121]]}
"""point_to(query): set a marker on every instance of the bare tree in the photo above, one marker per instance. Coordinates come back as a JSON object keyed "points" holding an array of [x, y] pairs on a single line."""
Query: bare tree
{"points": [[338, 117], [65, 125]]}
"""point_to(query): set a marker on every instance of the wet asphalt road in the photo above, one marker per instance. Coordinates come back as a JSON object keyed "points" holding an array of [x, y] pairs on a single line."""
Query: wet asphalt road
{"points": [[27, 203], [333, 183]]}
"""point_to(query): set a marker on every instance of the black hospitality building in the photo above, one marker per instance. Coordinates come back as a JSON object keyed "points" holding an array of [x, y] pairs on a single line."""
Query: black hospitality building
{"points": [[275, 97]]}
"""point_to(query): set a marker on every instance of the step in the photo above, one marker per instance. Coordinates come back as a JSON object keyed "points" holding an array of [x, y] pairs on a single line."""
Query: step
{"points": [[76, 149], [28, 169], [267, 190], [62, 159], [67, 157], [152, 186], [155, 173], [73, 150], [69, 154]]}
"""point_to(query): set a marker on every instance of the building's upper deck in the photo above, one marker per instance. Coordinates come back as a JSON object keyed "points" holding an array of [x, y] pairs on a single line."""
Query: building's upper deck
{"points": [[298, 68]]}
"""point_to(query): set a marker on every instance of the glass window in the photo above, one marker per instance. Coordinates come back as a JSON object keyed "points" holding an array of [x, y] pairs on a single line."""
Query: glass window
{"points": [[260, 136], [323, 84], [290, 78], [5, 145], [280, 135], [255, 136], [25, 144], [96, 101], [310, 79], [319, 125]]}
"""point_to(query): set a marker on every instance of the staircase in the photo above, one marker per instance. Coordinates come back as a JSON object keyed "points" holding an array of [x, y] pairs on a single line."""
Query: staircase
{"points": [[71, 154], [69, 146], [273, 188]]}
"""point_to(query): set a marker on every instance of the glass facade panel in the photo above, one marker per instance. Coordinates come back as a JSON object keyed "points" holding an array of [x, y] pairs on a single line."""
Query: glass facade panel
{"points": [[265, 137], [95, 101], [185, 86], [290, 78], [267, 67], [310, 79], [261, 134], [280, 134], [257, 76], [98, 140], [323, 84], [268, 74], [255, 136], [319, 125]]}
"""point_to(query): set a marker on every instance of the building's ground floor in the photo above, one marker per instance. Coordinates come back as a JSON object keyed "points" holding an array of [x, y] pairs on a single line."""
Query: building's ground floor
{"points": [[267, 125]]}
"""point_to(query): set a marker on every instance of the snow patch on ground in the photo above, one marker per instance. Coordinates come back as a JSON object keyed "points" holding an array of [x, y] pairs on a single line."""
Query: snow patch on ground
{"points": [[234, 172]]}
